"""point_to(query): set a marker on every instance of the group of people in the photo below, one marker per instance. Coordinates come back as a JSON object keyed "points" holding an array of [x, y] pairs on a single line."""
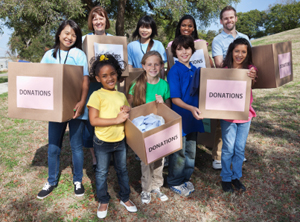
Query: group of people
{"points": [[99, 116]]}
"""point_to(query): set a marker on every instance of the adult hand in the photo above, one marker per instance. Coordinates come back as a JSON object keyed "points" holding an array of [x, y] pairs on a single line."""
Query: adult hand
{"points": [[78, 109]]}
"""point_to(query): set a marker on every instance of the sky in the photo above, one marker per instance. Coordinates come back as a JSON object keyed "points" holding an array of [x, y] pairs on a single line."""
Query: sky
{"points": [[243, 6]]}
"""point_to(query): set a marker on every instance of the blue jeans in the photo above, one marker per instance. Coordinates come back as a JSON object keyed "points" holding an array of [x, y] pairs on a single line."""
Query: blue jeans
{"points": [[234, 137], [103, 152], [56, 133], [182, 163], [88, 134]]}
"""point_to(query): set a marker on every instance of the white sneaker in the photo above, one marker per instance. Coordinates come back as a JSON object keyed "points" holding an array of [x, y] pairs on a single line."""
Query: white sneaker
{"points": [[145, 197], [101, 214], [216, 164], [181, 190], [160, 195], [245, 160], [189, 186]]}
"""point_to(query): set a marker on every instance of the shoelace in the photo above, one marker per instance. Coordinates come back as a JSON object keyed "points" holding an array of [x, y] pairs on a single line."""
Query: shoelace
{"points": [[77, 185], [46, 186]]}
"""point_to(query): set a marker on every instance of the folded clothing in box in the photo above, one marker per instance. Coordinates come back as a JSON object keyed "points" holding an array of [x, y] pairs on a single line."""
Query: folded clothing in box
{"points": [[145, 123]]}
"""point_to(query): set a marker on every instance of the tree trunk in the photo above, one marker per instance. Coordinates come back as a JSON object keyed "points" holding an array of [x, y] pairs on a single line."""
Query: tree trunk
{"points": [[120, 18]]}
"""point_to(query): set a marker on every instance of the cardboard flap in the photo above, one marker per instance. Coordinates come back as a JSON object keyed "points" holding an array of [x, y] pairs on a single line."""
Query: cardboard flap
{"points": [[224, 93], [134, 73], [88, 46], [143, 110], [195, 60]]}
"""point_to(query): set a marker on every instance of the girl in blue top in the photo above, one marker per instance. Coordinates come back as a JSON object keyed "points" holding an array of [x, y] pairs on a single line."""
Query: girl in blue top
{"points": [[67, 50], [145, 31]]}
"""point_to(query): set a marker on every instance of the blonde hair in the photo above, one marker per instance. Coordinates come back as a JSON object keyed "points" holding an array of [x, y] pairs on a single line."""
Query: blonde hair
{"points": [[140, 87]]}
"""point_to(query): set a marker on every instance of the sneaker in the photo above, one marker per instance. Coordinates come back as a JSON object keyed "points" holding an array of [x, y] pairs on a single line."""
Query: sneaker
{"points": [[227, 187], [238, 185], [78, 189], [216, 164], [160, 195], [131, 209], [245, 160], [166, 163], [145, 197], [189, 186], [181, 190], [47, 189], [101, 214]]}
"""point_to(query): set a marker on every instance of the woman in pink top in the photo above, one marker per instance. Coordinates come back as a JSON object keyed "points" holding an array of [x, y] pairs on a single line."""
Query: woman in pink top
{"points": [[235, 132], [187, 26]]}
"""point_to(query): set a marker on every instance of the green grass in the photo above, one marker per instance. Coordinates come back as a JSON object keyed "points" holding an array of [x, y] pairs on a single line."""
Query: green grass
{"points": [[3, 79]]}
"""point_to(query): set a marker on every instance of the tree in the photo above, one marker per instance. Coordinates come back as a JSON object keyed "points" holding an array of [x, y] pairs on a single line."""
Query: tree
{"points": [[35, 21], [283, 17], [251, 23]]}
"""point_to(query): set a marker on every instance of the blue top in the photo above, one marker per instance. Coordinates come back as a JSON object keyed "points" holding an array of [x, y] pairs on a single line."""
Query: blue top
{"points": [[222, 41], [180, 81], [75, 57], [136, 51]]}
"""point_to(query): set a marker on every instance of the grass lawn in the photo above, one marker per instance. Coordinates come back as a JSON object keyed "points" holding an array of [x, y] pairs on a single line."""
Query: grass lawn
{"points": [[3, 79], [271, 175]]}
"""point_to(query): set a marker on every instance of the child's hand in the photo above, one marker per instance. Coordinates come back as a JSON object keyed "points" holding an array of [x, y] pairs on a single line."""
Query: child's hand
{"points": [[122, 117], [125, 108], [252, 73], [78, 109], [196, 112], [159, 98]]}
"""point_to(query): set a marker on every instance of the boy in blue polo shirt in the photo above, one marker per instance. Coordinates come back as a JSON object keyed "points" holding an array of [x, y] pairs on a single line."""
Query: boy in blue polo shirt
{"points": [[182, 163]]}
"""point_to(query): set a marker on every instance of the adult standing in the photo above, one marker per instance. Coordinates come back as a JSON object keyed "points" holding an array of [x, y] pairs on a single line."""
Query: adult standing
{"points": [[220, 45], [98, 22]]}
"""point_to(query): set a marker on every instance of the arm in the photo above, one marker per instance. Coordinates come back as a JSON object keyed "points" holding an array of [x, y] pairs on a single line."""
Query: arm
{"points": [[194, 110], [218, 61], [130, 99], [95, 120], [212, 65], [79, 107]]}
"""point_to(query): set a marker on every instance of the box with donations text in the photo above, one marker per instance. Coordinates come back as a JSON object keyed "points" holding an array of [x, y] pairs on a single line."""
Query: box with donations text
{"points": [[158, 142], [42, 91], [97, 44], [274, 64], [224, 93], [200, 58]]}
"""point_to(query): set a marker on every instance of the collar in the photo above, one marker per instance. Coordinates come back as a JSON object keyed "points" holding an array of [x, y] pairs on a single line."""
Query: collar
{"points": [[225, 35], [184, 68]]}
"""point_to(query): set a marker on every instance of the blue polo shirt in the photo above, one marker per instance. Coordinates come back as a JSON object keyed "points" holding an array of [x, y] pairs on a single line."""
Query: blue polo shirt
{"points": [[222, 41], [180, 81], [136, 51]]}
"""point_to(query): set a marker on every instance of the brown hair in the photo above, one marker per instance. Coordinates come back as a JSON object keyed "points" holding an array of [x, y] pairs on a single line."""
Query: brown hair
{"points": [[227, 8], [100, 11], [140, 87], [185, 41]]}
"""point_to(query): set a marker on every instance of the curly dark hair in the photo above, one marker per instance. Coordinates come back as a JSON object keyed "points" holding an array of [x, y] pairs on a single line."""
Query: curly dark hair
{"points": [[110, 59]]}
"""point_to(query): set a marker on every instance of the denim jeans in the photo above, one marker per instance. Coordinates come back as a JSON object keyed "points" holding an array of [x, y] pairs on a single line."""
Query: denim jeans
{"points": [[182, 163], [234, 136], [88, 134], [103, 152], [56, 133]]}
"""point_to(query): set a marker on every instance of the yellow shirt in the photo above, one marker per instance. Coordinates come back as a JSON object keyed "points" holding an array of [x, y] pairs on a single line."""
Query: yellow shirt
{"points": [[108, 103]]}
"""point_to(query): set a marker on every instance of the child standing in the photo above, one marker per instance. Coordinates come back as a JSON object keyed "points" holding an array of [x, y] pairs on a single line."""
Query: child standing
{"points": [[235, 132], [108, 110], [147, 88], [67, 50], [182, 162], [145, 31]]}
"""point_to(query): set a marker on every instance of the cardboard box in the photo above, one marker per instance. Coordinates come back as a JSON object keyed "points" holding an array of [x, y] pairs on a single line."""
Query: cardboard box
{"points": [[224, 93], [106, 44], [207, 139], [200, 58], [274, 64], [158, 142], [43, 91], [134, 73]]}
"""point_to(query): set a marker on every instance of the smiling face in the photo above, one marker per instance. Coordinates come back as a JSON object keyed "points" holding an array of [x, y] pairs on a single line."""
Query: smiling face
{"points": [[184, 55], [152, 66], [108, 77], [145, 32], [239, 55], [228, 20], [187, 27], [99, 23], [67, 38]]}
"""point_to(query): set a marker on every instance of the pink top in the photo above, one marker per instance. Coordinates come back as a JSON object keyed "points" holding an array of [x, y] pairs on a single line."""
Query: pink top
{"points": [[251, 110], [197, 40]]}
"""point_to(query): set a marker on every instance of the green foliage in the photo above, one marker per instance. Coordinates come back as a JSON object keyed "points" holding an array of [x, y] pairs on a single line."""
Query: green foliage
{"points": [[251, 23], [207, 36], [283, 17]]}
